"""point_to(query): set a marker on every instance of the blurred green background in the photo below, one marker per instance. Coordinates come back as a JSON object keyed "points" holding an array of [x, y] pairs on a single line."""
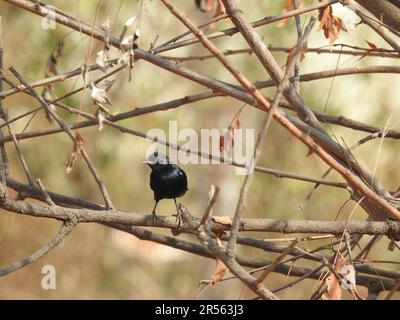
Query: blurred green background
{"points": [[95, 262]]}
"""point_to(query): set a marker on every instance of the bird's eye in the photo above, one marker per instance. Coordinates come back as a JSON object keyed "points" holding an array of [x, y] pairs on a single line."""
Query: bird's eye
{"points": [[156, 154]]}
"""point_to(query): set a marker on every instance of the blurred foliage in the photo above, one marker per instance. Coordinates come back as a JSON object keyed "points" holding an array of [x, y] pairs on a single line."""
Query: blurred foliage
{"points": [[96, 262]]}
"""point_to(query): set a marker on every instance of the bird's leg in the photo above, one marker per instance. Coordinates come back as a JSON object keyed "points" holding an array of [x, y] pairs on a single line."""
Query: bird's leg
{"points": [[178, 214], [153, 213]]}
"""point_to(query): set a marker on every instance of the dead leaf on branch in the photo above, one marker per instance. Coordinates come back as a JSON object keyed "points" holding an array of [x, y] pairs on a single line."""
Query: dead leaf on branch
{"points": [[100, 119], [371, 45], [102, 60], [227, 138], [220, 268], [126, 27], [127, 59], [227, 221], [218, 273], [287, 7], [348, 281], [51, 69], [348, 272], [52, 61], [333, 292], [367, 51], [106, 25], [209, 6], [220, 9], [292, 52], [330, 24], [100, 98], [76, 149]]}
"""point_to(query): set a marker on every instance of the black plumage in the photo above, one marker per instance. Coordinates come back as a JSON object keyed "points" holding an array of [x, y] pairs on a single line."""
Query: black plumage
{"points": [[167, 180]]}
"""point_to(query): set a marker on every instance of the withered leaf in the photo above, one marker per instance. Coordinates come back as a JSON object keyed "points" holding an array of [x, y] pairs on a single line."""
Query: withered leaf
{"points": [[51, 64], [101, 118], [292, 52], [220, 268], [107, 84], [340, 263], [222, 220], [330, 24], [106, 25], [76, 149], [333, 292], [371, 45], [347, 270], [209, 6], [227, 139], [349, 277], [130, 21], [99, 96], [101, 60], [220, 9], [126, 41], [288, 7]]}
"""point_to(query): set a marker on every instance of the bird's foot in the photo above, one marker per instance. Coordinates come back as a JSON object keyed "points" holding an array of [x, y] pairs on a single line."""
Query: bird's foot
{"points": [[154, 217], [177, 230], [178, 218]]}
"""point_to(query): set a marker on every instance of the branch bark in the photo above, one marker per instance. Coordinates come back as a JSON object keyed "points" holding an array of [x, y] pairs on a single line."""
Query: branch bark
{"points": [[386, 11]]}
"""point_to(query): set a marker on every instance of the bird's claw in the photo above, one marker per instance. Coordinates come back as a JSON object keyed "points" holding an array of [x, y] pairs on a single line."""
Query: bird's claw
{"points": [[178, 218], [154, 217]]}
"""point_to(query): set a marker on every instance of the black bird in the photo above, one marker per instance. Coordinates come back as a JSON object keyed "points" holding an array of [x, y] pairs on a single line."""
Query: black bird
{"points": [[167, 180]]}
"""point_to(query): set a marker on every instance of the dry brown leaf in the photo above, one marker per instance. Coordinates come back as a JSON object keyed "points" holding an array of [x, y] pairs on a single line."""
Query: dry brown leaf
{"points": [[371, 45], [222, 220], [333, 292], [340, 262], [130, 21], [292, 52], [220, 268], [106, 25], [76, 149], [102, 60], [51, 64], [100, 119], [209, 6], [288, 7], [349, 277], [99, 95], [330, 24], [220, 9], [219, 272], [347, 271], [227, 139]]}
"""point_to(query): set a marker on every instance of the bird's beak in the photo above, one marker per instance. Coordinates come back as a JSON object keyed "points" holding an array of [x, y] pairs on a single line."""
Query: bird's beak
{"points": [[145, 162]]}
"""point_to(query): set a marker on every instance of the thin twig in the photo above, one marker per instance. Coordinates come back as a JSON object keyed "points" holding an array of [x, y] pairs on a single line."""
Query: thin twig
{"points": [[70, 134], [64, 231]]}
